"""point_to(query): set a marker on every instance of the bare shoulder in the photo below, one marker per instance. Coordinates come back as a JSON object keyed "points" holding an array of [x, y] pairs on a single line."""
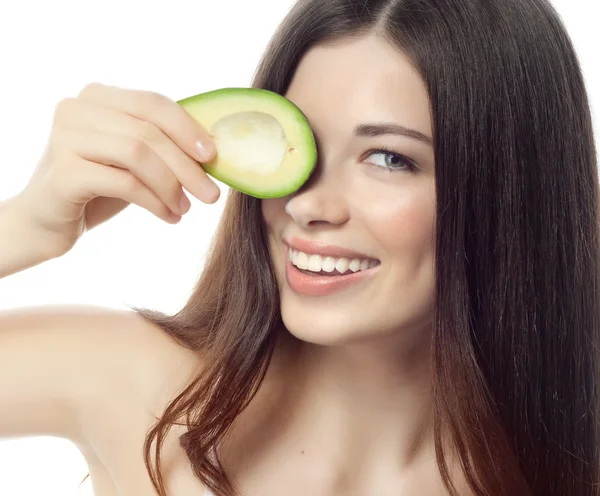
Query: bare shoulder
{"points": [[63, 365], [105, 339]]}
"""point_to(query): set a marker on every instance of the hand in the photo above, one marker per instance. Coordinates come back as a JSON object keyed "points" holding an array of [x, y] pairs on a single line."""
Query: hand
{"points": [[110, 147]]}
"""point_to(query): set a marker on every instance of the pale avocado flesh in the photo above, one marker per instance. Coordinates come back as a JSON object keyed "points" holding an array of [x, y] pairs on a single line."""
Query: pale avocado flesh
{"points": [[265, 145]]}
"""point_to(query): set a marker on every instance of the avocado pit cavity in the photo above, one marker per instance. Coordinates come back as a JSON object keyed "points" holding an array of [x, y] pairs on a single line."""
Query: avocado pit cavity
{"points": [[265, 145], [253, 141]]}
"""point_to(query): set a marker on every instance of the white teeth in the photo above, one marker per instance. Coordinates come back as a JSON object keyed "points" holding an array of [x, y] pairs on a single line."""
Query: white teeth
{"points": [[342, 264], [302, 261], [328, 264], [316, 263], [354, 265]]}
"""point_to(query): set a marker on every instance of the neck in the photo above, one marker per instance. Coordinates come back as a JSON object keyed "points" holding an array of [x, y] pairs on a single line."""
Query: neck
{"points": [[353, 419], [366, 402]]}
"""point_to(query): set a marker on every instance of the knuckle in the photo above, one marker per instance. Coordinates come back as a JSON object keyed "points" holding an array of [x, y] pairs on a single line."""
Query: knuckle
{"points": [[153, 98], [146, 101], [89, 89], [147, 132], [131, 184], [137, 151]]}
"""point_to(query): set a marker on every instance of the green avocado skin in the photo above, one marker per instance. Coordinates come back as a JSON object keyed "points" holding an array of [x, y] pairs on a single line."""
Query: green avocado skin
{"points": [[309, 148]]}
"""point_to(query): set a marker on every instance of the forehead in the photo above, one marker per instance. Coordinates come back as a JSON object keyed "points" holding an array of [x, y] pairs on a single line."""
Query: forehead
{"points": [[363, 80]]}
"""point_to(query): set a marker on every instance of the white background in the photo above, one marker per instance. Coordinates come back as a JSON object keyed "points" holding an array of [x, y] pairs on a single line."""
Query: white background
{"points": [[49, 51]]}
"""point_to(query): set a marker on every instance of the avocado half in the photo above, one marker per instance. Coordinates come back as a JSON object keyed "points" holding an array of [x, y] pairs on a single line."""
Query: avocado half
{"points": [[265, 145]]}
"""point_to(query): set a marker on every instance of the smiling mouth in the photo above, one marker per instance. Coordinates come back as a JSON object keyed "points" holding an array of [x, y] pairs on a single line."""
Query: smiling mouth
{"points": [[323, 283]]}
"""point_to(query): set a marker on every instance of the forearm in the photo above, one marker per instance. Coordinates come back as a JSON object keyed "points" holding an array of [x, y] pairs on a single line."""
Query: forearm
{"points": [[21, 247]]}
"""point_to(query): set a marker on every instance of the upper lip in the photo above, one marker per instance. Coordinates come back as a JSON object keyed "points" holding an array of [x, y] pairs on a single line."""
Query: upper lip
{"points": [[322, 248]]}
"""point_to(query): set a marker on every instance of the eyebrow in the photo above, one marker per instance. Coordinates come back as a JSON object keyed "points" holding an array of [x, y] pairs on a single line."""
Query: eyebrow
{"points": [[372, 130]]}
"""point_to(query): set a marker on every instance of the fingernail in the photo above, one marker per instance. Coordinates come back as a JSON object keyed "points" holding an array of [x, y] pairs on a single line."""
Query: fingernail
{"points": [[205, 151]]}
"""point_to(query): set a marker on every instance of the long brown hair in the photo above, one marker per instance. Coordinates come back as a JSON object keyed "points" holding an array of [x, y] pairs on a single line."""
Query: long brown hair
{"points": [[517, 313]]}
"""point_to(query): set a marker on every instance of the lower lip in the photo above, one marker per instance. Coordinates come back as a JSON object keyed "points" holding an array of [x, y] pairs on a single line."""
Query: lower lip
{"points": [[322, 285]]}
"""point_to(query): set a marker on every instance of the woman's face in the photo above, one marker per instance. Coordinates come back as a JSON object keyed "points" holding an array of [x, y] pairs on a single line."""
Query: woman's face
{"points": [[358, 198]]}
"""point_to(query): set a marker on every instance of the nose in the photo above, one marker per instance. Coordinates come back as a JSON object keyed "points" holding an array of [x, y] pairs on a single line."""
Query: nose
{"points": [[321, 200]]}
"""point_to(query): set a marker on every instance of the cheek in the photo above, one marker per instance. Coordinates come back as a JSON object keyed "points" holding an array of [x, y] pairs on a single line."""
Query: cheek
{"points": [[272, 210], [404, 224]]}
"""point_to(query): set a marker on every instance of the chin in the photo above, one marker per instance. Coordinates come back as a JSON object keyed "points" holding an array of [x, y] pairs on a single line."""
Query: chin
{"points": [[313, 335], [324, 326]]}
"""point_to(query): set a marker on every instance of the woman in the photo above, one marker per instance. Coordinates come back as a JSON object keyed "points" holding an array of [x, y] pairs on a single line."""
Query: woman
{"points": [[456, 164]]}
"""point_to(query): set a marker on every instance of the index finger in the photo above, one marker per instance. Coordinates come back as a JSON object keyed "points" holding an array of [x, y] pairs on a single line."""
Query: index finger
{"points": [[159, 110]]}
